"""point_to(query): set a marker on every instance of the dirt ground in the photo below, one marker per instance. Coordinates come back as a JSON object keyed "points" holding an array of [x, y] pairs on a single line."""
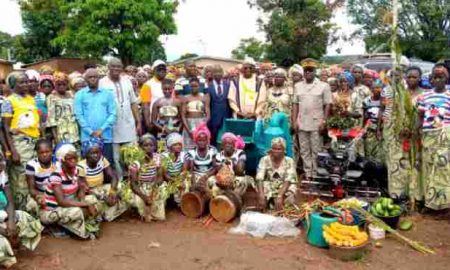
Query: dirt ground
{"points": [[182, 243]]}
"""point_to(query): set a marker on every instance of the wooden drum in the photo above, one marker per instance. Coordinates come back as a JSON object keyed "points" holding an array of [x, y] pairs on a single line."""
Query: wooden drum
{"points": [[193, 204], [224, 208]]}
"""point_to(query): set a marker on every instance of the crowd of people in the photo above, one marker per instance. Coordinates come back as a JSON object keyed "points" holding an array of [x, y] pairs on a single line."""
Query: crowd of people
{"points": [[63, 138]]}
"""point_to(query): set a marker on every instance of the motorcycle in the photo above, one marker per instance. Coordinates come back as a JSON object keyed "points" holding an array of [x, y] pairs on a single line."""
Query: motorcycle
{"points": [[342, 172]]}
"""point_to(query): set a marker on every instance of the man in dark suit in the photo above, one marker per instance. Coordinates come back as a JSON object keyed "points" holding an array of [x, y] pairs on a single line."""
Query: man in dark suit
{"points": [[220, 108]]}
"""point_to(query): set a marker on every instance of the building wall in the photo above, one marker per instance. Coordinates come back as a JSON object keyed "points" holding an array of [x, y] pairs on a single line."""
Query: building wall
{"points": [[66, 65], [226, 65], [5, 69]]}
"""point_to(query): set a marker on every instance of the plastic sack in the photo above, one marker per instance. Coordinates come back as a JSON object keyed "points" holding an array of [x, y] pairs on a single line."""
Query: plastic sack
{"points": [[259, 225]]}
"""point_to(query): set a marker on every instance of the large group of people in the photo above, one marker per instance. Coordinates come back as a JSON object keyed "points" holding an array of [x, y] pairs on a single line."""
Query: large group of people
{"points": [[63, 138]]}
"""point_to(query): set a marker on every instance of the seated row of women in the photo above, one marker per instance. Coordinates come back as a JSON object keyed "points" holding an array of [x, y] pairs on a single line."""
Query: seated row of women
{"points": [[72, 196]]}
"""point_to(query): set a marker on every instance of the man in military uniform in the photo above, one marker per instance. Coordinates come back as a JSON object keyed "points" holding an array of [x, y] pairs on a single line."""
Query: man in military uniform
{"points": [[312, 100]]}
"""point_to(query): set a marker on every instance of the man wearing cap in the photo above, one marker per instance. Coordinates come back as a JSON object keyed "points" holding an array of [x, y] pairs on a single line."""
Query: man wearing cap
{"points": [[152, 90], [247, 95], [182, 85], [312, 100]]}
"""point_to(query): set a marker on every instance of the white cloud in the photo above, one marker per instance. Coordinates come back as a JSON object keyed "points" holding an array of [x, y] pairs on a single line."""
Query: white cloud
{"points": [[212, 27], [10, 21]]}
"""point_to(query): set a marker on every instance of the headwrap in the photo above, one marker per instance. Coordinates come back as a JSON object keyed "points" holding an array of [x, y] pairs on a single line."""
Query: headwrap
{"points": [[75, 81], [372, 73], [266, 65], [378, 83], [46, 70], [280, 72], [86, 146], [32, 75], [65, 149], [12, 79], [296, 68], [173, 138], [147, 136], [44, 78], [60, 76], [202, 129], [278, 140], [238, 141], [171, 76], [441, 70], [347, 75]]}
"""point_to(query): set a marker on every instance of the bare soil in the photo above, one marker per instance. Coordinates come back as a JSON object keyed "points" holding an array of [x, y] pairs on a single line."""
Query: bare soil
{"points": [[182, 243]]}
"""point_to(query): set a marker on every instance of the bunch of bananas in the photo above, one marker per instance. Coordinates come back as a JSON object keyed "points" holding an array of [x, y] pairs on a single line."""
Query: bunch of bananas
{"points": [[343, 235]]}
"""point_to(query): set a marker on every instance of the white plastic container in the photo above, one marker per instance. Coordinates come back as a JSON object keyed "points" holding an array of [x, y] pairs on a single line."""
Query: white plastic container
{"points": [[376, 233]]}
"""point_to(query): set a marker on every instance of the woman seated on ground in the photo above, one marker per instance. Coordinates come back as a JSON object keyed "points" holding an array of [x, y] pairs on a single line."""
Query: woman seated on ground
{"points": [[276, 177], [175, 168], [166, 112], [150, 193], [37, 171], [65, 202], [201, 160], [93, 171], [234, 158], [195, 111], [16, 227]]}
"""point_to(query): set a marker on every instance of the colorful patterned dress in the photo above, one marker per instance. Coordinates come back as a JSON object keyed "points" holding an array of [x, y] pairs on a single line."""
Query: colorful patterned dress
{"points": [[95, 178], [372, 146], [29, 229], [150, 186], [274, 178], [403, 176], [436, 148], [70, 218]]}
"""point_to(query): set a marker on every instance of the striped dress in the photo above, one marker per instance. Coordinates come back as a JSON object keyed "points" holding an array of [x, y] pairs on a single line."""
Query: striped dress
{"points": [[174, 168], [202, 164], [94, 176], [68, 184], [149, 170]]}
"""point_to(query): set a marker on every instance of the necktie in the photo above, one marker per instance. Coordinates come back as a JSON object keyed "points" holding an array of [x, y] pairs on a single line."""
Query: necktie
{"points": [[219, 89]]}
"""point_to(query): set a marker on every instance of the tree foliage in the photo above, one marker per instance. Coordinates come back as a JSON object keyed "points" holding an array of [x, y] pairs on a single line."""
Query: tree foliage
{"points": [[250, 47], [128, 29], [424, 26], [296, 29], [187, 56], [42, 21]]}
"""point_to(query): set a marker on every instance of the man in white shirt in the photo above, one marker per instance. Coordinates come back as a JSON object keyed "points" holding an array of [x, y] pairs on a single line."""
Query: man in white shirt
{"points": [[128, 123]]}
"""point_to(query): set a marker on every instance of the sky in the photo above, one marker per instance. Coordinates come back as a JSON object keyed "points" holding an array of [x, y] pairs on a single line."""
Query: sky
{"points": [[205, 27]]}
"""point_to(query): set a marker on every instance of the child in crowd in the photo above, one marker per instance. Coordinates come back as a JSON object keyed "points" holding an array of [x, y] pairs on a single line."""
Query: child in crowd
{"points": [[37, 171], [175, 166], [150, 191], [372, 140]]}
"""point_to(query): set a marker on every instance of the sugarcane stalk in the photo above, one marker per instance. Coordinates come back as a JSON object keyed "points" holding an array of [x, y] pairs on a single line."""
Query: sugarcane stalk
{"points": [[379, 223]]}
